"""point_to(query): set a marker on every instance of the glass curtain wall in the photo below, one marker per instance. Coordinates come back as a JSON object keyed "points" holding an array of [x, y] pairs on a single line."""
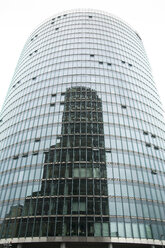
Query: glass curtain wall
{"points": [[82, 135]]}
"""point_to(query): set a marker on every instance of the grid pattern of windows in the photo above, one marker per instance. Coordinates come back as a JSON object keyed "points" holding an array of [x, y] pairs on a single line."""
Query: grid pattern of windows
{"points": [[82, 135]]}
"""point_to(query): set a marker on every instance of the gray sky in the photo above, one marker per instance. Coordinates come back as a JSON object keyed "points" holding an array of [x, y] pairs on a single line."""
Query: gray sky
{"points": [[18, 18]]}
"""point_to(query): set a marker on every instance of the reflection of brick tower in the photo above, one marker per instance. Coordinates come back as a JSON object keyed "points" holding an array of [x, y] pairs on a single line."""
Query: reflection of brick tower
{"points": [[74, 183]]}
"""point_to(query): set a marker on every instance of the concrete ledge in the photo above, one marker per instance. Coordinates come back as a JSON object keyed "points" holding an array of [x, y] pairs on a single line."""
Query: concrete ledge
{"points": [[82, 239]]}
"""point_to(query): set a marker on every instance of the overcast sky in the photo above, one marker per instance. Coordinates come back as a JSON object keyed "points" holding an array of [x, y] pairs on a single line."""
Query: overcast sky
{"points": [[18, 18]]}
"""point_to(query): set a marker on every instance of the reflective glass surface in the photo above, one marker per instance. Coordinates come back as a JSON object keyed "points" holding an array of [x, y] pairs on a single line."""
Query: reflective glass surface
{"points": [[82, 134]]}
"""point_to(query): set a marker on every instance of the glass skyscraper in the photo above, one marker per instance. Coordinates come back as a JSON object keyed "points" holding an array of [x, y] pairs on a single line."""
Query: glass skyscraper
{"points": [[82, 159]]}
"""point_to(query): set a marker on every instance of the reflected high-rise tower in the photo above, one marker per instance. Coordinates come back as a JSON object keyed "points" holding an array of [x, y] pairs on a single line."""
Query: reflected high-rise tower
{"points": [[82, 139], [75, 166]]}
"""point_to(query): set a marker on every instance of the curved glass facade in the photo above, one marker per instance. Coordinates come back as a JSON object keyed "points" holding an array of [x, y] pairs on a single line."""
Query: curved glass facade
{"points": [[82, 137]]}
